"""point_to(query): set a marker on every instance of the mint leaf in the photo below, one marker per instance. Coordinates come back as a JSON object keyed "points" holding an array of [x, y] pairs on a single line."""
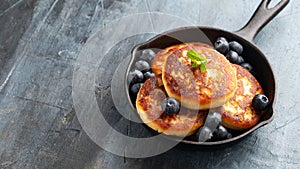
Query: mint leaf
{"points": [[203, 66], [193, 55], [195, 64], [197, 59]]}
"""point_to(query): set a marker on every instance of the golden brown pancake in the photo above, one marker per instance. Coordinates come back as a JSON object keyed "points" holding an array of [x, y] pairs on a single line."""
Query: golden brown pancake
{"points": [[238, 112], [160, 57], [148, 105], [193, 88]]}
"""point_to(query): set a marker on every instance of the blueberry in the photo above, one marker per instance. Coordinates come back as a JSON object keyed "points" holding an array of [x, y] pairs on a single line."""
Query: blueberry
{"points": [[240, 60], [260, 102], [147, 55], [212, 121], [232, 56], [235, 46], [135, 88], [135, 76], [142, 65], [222, 45], [170, 106], [204, 134], [221, 133], [147, 75], [247, 66], [229, 135]]}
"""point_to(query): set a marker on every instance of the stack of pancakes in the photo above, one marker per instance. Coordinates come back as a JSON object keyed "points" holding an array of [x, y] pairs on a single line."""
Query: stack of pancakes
{"points": [[223, 87]]}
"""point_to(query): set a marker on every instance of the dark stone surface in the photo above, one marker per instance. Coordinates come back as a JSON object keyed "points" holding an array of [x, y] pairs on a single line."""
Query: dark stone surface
{"points": [[39, 45]]}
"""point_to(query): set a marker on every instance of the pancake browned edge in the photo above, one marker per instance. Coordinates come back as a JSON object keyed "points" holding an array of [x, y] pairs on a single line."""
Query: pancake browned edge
{"points": [[160, 57], [238, 112], [148, 105], [195, 89]]}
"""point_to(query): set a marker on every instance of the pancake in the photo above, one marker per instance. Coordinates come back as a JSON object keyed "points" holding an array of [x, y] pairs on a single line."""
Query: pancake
{"points": [[238, 112], [148, 105], [193, 88], [160, 57]]}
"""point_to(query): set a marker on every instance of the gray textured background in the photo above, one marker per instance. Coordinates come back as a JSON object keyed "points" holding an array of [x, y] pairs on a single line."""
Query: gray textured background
{"points": [[39, 44]]}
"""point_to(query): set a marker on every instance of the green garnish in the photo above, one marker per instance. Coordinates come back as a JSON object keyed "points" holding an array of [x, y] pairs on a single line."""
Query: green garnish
{"points": [[198, 60]]}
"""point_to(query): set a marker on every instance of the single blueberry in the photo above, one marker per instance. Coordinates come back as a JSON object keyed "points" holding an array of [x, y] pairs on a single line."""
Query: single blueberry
{"points": [[148, 75], [232, 56], [248, 67], [240, 60], [135, 88], [147, 55], [142, 65], [235, 46], [229, 135], [135, 76], [212, 121], [203, 134], [170, 106], [221, 133], [260, 102], [222, 45]]}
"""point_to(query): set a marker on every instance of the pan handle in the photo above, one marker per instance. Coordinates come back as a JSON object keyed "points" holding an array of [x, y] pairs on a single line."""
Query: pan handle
{"points": [[260, 18]]}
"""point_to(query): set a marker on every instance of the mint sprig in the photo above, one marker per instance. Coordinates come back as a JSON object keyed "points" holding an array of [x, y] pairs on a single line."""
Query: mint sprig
{"points": [[197, 60]]}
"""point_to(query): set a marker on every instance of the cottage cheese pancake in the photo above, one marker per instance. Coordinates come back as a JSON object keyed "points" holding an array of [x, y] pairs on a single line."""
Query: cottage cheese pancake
{"points": [[238, 112], [160, 57], [148, 105], [193, 88]]}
